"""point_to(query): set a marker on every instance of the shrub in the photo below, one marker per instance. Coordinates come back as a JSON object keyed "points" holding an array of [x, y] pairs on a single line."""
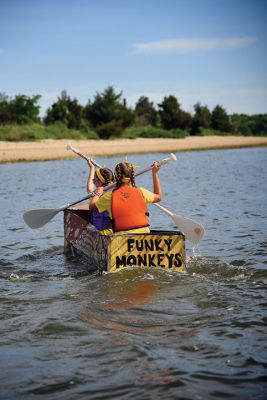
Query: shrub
{"points": [[108, 130], [16, 133], [212, 132], [153, 132], [32, 132], [89, 133]]}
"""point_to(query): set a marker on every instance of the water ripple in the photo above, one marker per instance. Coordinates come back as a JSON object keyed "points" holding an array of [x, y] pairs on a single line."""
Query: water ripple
{"points": [[67, 333]]}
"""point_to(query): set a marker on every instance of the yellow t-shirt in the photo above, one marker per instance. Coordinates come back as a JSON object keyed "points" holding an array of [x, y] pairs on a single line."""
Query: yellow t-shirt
{"points": [[104, 204]]}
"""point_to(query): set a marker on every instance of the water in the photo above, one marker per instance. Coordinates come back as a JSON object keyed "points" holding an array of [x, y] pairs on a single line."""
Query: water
{"points": [[149, 334]]}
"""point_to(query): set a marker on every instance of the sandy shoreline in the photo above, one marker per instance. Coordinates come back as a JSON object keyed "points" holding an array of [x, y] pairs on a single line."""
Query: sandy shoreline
{"points": [[56, 149]]}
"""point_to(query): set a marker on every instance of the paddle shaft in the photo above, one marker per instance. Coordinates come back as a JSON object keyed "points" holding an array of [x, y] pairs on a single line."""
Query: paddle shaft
{"points": [[79, 153], [76, 151]]}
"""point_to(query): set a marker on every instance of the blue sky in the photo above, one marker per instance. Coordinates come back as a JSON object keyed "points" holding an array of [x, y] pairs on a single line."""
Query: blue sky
{"points": [[207, 51]]}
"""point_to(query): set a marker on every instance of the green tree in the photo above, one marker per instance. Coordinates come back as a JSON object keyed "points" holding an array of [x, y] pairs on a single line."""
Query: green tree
{"points": [[259, 125], [20, 110], [66, 110], [25, 109], [249, 125], [108, 113], [185, 120], [171, 115], [169, 111], [201, 119], [220, 121], [4, 109], [242, 124], [145, 112]]}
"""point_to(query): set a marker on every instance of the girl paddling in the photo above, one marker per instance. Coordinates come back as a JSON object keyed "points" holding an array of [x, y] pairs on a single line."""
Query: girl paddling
{"points": [[99, 178]]}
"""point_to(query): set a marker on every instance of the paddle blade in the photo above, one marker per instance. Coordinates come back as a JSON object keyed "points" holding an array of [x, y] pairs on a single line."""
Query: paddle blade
{"points": [[192, 230], [39, 217]]}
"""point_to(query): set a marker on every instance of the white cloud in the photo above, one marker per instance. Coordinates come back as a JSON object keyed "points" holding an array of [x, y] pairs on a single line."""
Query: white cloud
{"points": [[191, 45], [1, 51]]}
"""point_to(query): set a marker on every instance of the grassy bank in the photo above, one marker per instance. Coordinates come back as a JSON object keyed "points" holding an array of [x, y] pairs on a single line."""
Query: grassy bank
{"points": [[36, 132]]}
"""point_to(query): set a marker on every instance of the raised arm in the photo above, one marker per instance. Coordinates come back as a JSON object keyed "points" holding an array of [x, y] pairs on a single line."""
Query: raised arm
{"points": [[156, 183], [90, 183]]}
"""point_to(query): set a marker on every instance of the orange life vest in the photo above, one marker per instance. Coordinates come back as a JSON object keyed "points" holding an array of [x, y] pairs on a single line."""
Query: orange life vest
{"points": [[128, 209]]}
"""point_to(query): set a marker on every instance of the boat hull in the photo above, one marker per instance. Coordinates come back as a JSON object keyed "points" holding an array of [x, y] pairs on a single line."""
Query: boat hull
{"points": [[113, 253]]}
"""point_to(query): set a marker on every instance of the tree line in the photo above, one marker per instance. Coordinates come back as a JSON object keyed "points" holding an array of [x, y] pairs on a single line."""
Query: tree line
{"points": [[108, 116]]}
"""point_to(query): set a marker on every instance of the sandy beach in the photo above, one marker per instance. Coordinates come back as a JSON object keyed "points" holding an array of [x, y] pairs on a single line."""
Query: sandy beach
{"points": [[56, 149]]}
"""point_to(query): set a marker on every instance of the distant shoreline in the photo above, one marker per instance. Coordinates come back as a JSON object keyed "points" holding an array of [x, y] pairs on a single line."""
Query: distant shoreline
{"points": [[56, 149]]}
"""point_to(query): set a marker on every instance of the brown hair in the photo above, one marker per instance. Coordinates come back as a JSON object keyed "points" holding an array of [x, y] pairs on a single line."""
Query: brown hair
{"points": [[124, 170], [107, 175]]}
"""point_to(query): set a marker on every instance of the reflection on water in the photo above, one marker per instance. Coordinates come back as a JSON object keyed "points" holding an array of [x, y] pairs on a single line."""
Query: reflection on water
{"points": [[146, 333]]}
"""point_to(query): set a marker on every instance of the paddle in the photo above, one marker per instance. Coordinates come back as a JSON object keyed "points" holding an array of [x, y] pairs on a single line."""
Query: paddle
{"points": [[192, 230], [41, 216], [76, 151]]}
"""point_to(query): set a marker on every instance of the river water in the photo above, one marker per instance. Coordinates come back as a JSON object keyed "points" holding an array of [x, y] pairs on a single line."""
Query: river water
{"points": [[138, 334]]}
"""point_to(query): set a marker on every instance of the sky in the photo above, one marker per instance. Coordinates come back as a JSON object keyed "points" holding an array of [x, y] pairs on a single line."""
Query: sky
{"points": [[207, 51]]}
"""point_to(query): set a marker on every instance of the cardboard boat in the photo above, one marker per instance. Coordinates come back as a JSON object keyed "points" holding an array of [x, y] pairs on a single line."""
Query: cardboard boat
{"points": [[157, 249]]}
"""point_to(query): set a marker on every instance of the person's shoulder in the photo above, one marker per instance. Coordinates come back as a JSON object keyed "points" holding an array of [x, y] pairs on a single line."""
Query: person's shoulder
{"points": [[147, 194], [144, 191], [103, 203], [106, 195]]}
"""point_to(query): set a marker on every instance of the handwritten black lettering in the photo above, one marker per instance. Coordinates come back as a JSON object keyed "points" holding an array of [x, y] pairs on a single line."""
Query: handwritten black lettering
{"points": [[149, 245], [131, 260], [151, 258], [178, 262], [170, 259], [168, 242], [139, 246], [120, 261], [157, 245], [158, 256], [142, 260], [160, 259], [130, 243]]}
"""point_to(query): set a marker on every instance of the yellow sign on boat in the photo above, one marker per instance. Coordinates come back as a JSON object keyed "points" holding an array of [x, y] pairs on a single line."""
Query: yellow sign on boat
{"points": [[147, 250]]}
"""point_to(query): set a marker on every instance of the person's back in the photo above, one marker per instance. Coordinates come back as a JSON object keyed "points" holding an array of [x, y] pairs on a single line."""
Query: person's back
{"points": [[128, 209], [100, 178]]}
